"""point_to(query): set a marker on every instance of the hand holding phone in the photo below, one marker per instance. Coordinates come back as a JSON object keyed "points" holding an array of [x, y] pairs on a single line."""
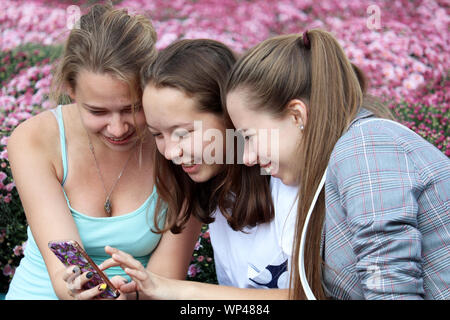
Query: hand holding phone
{"points": [[70, 253]]}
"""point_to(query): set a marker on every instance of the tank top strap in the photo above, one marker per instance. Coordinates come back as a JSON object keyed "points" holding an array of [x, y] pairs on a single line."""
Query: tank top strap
{"points": [[62, 137]]}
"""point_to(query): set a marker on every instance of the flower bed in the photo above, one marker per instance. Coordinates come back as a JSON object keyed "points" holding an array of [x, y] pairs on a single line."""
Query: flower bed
{"points": [[403, 50]]}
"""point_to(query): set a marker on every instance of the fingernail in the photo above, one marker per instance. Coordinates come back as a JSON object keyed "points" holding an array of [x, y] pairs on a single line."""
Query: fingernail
{"points": [[89, 275], [76, 269], [102, 287]]}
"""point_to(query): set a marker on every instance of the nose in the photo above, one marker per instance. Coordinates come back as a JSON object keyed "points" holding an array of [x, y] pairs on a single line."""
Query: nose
{"points": [[117, 126], [173, 152], [250, 157]]}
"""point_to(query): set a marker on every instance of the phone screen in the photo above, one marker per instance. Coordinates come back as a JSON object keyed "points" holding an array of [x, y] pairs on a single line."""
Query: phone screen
{"points": [[70, 253]]}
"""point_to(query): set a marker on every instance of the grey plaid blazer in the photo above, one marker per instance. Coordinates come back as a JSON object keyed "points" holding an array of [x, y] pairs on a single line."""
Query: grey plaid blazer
{"points": [[386, 231]]}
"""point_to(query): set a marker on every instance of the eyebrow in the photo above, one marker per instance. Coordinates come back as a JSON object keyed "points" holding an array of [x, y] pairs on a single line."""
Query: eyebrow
{"points": [[174, 126], [102, 108]]}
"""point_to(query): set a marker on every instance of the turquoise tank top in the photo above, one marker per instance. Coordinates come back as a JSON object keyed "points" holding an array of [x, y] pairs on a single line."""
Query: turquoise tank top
{"points": [[129, 232]]}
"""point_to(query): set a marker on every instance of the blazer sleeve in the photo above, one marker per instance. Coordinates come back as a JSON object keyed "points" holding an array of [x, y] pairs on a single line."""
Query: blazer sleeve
{"points": [[378, 186]]}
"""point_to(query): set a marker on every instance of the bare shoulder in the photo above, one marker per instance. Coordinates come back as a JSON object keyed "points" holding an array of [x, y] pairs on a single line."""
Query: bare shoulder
{"points": [[36, 133]]}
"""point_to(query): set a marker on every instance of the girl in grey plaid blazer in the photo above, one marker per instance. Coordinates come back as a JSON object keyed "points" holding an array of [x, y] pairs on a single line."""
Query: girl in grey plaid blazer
{"points": [[373, 210]]}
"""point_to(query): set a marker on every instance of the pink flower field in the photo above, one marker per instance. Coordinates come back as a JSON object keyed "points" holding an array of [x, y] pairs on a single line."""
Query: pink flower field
{"points": [[403, 47]]}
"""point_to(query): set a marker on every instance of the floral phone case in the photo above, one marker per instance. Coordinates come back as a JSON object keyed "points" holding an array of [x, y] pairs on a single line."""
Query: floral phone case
{"points": [[71, 253]]}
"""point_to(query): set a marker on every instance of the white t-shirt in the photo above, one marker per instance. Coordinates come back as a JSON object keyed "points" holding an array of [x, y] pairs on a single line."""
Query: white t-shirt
{"points": [[259, 258]]}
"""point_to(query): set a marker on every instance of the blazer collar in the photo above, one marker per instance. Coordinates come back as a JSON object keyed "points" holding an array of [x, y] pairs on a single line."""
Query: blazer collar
{"points": [[362, 114]]}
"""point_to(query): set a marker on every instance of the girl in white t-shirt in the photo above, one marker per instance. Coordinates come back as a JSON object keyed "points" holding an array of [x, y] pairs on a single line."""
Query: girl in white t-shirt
{"points": [[251, 216]]}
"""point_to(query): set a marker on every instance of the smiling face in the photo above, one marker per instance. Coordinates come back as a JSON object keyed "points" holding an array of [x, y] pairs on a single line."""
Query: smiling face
{"points": [[178, 127], [106, 110], [269, 141]]}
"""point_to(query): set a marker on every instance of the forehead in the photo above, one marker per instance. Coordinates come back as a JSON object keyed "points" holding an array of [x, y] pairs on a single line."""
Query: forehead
{"points": [[102, 89], [243, 116], [167, 108], [168, 103]]}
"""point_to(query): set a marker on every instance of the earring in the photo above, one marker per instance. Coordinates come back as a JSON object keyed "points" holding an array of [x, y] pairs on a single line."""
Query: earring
{"points": [[302, 127]]}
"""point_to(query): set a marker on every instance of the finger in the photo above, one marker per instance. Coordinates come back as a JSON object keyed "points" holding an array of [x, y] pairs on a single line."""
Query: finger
{"points": [[119, 252], [128, 287], [91, 293], [118, 281], [108, 264], [70, 272], [110, 250], [127, 260], [83, 279], [139, 275], [73, 280]]}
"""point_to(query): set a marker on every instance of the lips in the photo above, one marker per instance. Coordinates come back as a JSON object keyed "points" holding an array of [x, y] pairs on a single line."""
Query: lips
{"points": [[120, 141], [190, 168]]}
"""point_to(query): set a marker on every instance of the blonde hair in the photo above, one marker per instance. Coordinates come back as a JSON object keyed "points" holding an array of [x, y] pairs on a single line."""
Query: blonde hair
{"points": [[107, 41], [281, 69]]}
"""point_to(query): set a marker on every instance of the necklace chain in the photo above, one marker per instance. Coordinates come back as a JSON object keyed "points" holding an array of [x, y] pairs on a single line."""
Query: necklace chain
{"points": [[107, 206]]}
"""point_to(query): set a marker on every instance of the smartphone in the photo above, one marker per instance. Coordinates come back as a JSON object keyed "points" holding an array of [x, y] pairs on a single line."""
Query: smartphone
{"points": [[72, 254]]}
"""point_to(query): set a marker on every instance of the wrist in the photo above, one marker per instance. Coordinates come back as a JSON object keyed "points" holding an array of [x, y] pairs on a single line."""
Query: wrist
{"points": [[156, 289], [169, 289]]}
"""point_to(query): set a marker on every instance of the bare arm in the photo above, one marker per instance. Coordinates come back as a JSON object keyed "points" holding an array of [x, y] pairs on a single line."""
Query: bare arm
{"points": [[152, 286], [172, 256], [30, 151], [192, 290]]}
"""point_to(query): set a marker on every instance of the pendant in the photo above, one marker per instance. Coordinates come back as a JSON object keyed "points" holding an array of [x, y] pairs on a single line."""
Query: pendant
{"points": [[108, 207]]}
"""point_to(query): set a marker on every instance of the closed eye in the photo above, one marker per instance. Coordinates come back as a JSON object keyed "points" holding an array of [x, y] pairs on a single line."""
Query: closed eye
{"points": [[155, 134], [183, 133], [97, 113], [137, 108]]}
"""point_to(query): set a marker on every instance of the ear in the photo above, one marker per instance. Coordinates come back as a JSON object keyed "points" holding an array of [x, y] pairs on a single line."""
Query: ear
{"points": [[70, 91], [297, 111]]}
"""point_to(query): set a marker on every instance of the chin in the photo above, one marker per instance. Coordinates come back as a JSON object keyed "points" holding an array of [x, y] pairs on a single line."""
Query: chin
{"points": [[205, 174], [199, 177], [289, 180]]}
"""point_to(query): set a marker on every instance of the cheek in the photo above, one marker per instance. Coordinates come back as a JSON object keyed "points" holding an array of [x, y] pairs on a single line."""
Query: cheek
{"points": [[266, 145], [289, 148], [187, 146], [194, 145], [160, 145], [94, 124]]}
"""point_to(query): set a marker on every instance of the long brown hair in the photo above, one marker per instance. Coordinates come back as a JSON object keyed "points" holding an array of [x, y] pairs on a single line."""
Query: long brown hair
{"points": [[281, 69], [108, 41], [199, 68]]}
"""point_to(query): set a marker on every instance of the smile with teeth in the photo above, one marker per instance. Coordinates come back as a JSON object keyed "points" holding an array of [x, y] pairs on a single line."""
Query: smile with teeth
{"points": [[267, 168], [118, 140]]}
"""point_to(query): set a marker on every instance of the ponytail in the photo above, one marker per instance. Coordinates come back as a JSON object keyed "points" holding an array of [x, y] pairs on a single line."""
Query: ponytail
{"points": [[336, 95]]}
